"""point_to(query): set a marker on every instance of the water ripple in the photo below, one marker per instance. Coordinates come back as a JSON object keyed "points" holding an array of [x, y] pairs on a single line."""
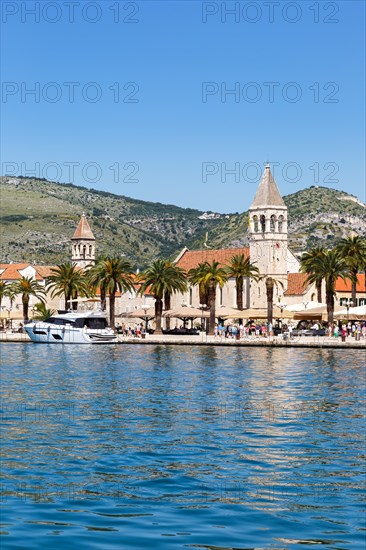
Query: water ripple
{"points": [[170, 447]]}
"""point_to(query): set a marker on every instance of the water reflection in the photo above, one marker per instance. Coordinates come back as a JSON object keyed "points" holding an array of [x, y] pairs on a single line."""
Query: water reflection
{"points": [[249, 447]]}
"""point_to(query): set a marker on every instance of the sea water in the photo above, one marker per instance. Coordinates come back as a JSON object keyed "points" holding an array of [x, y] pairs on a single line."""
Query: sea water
{"points": [[169, 447]]}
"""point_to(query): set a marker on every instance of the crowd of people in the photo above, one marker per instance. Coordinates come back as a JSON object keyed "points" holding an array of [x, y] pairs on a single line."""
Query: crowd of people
{"points": [[8, 327], [347, 328], [253, 329], [337, 329], [239, 331], [129, 330]]}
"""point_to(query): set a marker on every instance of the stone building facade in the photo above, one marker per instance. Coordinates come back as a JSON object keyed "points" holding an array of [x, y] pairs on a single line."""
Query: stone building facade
{"points": [[268, 250]]}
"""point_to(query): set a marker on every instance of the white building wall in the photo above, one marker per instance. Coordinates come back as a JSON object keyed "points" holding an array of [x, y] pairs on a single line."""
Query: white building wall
{"points": [[293, 264], [224, 297]]}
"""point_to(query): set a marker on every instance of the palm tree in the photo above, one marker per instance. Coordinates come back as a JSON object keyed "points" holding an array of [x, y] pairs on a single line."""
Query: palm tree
{"points": [[67, 280], [112, 275], [176, 273], [93, 281], [309, 262], [162, 277], [12, 292], [196, 276], [4, 291], [27, 287], [211, 275], [42, 312], [240, 267], [329, 266], [353, 251], [271, 283]]}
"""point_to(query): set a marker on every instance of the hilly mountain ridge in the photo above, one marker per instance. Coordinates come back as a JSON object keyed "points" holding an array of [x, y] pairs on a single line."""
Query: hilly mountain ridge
{"points": [[39, 218]]}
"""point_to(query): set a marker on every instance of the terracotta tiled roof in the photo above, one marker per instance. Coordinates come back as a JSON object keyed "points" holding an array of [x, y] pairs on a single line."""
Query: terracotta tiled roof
{"points": [[44, 270], [191, 258], [117, 293], [296, 284], [12, 272], [83, 230], [345, 286]]}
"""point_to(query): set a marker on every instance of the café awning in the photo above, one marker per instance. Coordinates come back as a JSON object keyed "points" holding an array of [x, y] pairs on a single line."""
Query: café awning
{"points": [[186, 312], [13, 315], [259, 313], [302, 307], [353, 313], [139, 313], [315, 313], [226, 312]]}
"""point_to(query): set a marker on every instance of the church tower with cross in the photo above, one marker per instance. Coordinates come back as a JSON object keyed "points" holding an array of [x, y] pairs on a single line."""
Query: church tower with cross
{"points": [[83, 244], [268, 238]]}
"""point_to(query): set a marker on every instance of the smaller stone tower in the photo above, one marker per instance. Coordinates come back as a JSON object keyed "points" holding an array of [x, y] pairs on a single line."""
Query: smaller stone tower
{"points": [[83, 244]]}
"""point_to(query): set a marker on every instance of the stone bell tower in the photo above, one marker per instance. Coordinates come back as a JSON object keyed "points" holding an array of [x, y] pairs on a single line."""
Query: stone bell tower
{"points": [[83, 244], [268, 237]]}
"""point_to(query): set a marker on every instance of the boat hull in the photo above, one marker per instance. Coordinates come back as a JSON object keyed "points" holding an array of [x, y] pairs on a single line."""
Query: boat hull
{"points": [[42, 334]]}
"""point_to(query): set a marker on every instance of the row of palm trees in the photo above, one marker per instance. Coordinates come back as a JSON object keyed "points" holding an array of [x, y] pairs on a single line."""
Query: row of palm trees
{"points": [[164, 278], [345, 261], [110, 275], [161, 279]]}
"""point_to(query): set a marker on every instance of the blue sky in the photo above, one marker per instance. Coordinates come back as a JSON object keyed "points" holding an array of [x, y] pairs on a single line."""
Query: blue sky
{"points": [[171, 134]]}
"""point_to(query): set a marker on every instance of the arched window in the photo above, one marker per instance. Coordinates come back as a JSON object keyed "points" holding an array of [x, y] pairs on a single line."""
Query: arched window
{"points": [[312, 297], [84, 251], [272, 223], [190, 296], [263, 223], [256, 225], [90, 250], [280, 224], [220, 296]]}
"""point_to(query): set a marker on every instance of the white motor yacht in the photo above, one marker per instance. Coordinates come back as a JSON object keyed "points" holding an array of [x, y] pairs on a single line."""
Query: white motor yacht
{"points": [[70, 327]]}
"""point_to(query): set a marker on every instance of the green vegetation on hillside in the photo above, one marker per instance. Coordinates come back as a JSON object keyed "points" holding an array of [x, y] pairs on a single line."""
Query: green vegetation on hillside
{"points": [[39, 218]]}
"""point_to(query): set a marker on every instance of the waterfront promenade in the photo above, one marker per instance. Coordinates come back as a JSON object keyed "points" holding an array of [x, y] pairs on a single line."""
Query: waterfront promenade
{"points": [[204, 340]]}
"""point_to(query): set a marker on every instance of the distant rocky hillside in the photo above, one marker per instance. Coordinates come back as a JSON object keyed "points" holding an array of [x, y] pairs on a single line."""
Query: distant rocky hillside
{"points": [[317, 215], [39, 218]]}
